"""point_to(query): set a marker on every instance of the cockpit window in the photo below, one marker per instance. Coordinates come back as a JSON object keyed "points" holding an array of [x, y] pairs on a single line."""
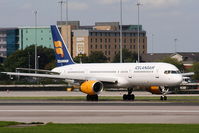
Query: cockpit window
{"points": [[171, 72]]}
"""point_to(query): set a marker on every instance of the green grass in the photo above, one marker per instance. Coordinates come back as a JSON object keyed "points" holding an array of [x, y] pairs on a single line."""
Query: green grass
{"points": [[104, 128], [6, 123]]}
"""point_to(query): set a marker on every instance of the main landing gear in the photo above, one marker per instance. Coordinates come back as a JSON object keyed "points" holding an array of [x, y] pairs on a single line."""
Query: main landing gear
{"points": [[92, 97], [129, 96]]}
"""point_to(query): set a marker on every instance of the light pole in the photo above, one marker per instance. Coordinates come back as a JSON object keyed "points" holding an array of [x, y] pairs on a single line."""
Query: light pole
{"points": [[120, 31], [66, 11], [29, 61], [152, 43], [138, 4], [38, 60], [35, 39], [175, 43], [61, 4], [67, 22]]}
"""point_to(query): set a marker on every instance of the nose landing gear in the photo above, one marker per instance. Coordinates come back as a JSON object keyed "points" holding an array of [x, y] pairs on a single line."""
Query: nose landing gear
{"points": [[164, 92]]}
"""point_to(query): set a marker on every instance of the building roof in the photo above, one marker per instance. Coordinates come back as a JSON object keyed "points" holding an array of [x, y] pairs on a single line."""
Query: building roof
{"points": [[187, 57]]}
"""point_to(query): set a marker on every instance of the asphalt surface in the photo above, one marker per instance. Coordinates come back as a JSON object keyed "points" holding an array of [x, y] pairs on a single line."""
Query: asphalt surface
{"points": [[65, 111], [99, 112]]}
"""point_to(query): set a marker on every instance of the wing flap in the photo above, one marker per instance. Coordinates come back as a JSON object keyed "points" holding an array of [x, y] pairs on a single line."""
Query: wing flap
{"points": [[35, 75]]}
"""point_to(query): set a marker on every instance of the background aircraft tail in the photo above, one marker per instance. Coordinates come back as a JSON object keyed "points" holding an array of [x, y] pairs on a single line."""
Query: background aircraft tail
{"points": [[62, 55]]}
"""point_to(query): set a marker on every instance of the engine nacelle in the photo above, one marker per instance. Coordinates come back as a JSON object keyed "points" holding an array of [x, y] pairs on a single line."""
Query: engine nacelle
{"points": [[91, 87], [155, 90]]}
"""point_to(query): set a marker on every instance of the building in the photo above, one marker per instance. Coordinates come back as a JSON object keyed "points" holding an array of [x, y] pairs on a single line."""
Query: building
{"points": [[187, 58], [103, 36], [27, 37], [9, 39]]}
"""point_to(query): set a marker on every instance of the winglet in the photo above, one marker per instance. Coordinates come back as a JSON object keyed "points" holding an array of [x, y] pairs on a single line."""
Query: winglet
{"points": [[63, 57]]}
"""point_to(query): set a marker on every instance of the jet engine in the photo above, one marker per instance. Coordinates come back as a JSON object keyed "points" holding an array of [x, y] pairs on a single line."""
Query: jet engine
{"points": [[91, 87], [155, 90]]}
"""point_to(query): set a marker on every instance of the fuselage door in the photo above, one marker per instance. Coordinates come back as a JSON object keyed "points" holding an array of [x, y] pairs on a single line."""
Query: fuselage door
{"points": [[130, 73], [157, 73]]}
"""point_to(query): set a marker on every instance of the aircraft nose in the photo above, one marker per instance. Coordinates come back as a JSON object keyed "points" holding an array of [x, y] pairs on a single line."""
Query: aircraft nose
{"points": [[179, 79]]}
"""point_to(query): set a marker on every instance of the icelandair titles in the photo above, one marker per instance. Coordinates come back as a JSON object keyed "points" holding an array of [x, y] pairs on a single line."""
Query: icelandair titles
{"points": [[144, 67], [62, 61]]}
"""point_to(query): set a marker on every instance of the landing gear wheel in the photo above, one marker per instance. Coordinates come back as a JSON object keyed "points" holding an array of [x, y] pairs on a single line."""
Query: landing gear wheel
{"points": [[92, 97], [163, 98], [128, 97]]}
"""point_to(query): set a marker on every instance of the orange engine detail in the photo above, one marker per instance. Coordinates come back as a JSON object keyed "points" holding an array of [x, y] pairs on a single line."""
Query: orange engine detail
{"points": [[155, 90], [91, 87]]}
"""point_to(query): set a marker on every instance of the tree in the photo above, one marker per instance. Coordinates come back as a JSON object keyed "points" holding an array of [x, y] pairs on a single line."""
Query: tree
{"points": [[175, 62], [81, 58], [195, 69], [26, 57], [97, 57], [94, 57], [127, 56]]}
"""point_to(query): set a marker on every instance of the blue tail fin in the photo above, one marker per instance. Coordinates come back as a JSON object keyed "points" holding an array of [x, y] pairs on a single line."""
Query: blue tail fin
{"points": [[63, 57]]}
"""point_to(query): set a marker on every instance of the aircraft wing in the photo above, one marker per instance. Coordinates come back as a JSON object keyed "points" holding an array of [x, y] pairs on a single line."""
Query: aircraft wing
{"points": [[35, 75], [56, 76]]}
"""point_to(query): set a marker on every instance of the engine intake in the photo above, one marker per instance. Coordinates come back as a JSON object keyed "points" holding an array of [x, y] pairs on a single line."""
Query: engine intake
{"points": [[91, 87], [155, 90]]}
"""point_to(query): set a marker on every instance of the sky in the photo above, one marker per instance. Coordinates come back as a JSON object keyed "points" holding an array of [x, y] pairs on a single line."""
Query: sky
{"points": [[165, 20]]}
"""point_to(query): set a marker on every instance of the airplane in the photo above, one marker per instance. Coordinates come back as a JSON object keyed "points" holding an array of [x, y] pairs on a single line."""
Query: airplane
{"points": [[92, 78]]}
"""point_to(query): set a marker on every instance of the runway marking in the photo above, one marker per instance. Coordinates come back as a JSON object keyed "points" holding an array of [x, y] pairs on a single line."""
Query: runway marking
{"points": [[107, 111]]}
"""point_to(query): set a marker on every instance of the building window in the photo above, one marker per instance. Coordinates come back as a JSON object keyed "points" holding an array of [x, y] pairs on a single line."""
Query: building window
{"points": [[105, 46], [134, 40], [105, 40], [143, 40], [96, 40], [133, 46], [26, 39], [49, 38], [124, 40], [109, 40], [105, 52], [124, 46], [131, 41], [91, 46], [109, 46], [101, 46], [109, 52], [143, 47], [26, 31], [91, 40], [115, 46], [96, 46], [41, 38], [130, 46], [101, 40], [41, 31], [115, 40]]}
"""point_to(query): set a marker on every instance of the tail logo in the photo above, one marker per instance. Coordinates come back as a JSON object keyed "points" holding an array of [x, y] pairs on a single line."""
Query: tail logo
{"points": [[58, 48]]}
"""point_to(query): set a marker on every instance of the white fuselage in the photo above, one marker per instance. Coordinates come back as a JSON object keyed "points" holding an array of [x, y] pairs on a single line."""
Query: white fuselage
{"points": [[126, 74]]}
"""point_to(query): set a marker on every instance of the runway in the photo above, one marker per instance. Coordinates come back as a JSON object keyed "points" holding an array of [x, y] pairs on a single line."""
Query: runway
{"points": [[99, 112]]}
